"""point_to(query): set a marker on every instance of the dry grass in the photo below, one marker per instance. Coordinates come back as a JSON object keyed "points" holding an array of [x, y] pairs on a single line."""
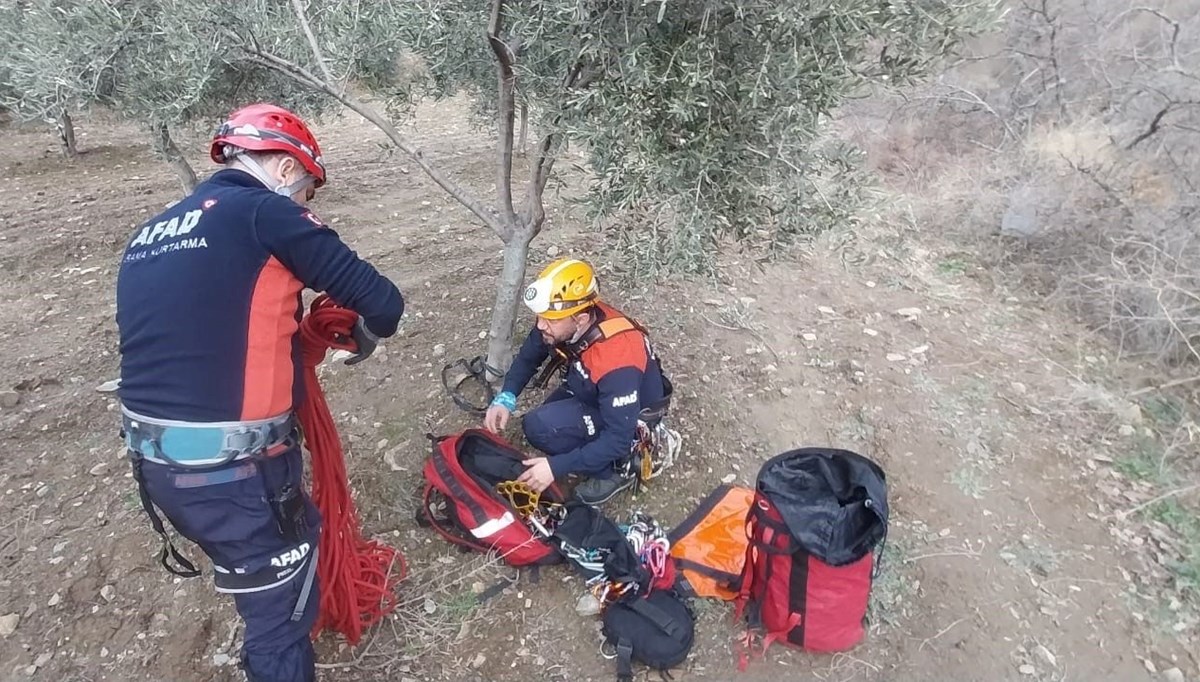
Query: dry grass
{"points": [[437, 607], [1064, 151]]}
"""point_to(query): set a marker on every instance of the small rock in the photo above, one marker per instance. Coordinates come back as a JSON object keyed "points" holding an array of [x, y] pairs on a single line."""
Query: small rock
{"points": [[55, 600], [1027, 669], [785, 391], [483, 335], [1150, 667], [109, 386], [430, 606], [1044, 654], [8, 624], [220, 659], [1018, 388], [43, 659], [919, 349], [1173, 675], [746, 301], [552, 251], [389, 458], [481, 659], [108, 593], [714, 302], [909, 312], [809, 337], [587, 605], [870, 332], [478, 587], [9, 399], [826, 310], [1126, 430], [383, 443], [42, 490], [895, 357], [98, 469], [770, 368], [529, 603], [103, 652], [439, 349], [1132, 414], [729, 478]]}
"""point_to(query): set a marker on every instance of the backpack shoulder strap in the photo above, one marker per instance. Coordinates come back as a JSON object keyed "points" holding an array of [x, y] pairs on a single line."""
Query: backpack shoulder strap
{"points": [[624, 660], [450, 532], [655, 615]]}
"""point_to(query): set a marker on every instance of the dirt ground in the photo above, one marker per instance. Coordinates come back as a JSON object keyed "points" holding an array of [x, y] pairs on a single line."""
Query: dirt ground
{"points": [[999, 425]]}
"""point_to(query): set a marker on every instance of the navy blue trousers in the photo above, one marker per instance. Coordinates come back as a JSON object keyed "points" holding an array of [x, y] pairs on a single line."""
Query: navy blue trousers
{"points": [[226, 510], [561, 424]]}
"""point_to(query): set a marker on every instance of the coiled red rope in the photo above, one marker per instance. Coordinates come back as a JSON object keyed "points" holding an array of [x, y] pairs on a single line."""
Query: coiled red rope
{"points": [[356, 574]]}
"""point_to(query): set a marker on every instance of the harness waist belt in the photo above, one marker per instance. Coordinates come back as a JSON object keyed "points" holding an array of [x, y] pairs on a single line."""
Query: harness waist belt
{"points": [[193, 444]]}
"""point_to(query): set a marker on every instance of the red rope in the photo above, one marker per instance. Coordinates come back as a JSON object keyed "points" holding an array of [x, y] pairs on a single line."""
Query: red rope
{"points": [[357, 583]]}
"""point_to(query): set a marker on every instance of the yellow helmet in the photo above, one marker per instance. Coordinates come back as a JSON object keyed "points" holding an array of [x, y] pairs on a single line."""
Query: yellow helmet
{"points": [[564, 288]]}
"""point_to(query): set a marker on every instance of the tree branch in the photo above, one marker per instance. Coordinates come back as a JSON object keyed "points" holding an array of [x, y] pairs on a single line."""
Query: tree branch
{"points": [[534, 212], [1152, 129], [307, 78], [505, 112], [298, 9]]}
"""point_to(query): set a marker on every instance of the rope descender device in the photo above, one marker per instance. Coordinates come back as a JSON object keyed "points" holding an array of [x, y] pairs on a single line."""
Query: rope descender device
{"points": [[528, 504]]}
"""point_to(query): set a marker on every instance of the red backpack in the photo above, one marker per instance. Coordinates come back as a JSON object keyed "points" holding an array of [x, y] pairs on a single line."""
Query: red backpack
{"points": [[460, 501], [816, 516]]}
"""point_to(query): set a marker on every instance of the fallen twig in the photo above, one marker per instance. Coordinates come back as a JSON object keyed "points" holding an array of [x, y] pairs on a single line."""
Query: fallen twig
{"points": [[758, 337], [1178, 491], [939, 634], [974, 555], [1163, 387]]}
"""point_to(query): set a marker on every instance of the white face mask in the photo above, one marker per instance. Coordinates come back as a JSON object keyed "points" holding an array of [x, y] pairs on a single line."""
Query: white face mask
{"points": [[289, 190]]}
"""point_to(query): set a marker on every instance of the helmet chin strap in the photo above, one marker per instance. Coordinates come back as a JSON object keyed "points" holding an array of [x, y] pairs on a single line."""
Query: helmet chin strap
{"points": [[256, 169]]}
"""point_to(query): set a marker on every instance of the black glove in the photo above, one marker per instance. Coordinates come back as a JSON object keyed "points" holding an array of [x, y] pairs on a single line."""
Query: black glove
{"points": [[364, 341]]}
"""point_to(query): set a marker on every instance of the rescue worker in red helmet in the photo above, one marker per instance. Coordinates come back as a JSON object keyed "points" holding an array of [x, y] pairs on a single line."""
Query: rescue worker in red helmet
{"points": [[613, 396], [208, 310]]}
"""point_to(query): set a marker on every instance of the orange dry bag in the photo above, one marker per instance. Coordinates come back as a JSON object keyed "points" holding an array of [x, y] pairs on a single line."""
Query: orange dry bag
{"points": [[709, 547]]}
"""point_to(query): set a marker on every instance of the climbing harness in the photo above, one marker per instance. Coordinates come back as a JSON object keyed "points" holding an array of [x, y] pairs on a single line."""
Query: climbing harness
{"points": [[357, 576], [476, 369], [190, 444]]}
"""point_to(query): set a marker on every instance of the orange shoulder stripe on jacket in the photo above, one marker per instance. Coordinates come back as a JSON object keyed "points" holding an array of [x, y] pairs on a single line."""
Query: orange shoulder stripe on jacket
{"points": [[269, 374], [623, 350]]}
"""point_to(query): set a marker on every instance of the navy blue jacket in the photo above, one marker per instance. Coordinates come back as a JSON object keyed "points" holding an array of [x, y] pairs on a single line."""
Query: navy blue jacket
{"points": [[209, 302], [617, 374]]}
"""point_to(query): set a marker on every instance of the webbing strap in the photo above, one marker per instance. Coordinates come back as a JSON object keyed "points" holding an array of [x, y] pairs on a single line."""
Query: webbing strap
{"points": [[624, 660], [187, 569], [657, 616], [302, 600]]}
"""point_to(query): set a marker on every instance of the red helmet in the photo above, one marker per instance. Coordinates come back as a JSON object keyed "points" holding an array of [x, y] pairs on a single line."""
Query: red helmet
{"points": [[266, 127]]}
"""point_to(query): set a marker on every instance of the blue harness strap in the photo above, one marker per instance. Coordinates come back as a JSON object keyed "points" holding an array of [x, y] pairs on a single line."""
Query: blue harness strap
{"points": [[189, 444]]}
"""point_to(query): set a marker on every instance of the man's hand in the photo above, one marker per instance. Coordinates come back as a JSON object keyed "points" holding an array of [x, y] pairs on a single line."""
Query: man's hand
{"points": [[496, 418], [364, 341], [538, 474]]}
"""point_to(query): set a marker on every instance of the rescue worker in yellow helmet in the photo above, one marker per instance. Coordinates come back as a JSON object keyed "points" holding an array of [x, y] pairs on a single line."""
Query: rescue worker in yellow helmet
{"points": [[588, 425]]}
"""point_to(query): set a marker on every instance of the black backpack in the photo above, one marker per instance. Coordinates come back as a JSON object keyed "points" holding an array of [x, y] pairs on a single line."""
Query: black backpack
{"points": [[657, 630]]}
